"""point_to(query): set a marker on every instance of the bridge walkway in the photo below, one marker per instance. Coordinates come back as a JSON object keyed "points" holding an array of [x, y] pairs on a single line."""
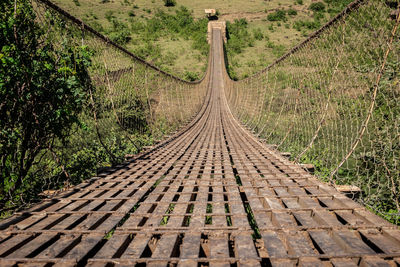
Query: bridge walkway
{"points": [[210, 195]]}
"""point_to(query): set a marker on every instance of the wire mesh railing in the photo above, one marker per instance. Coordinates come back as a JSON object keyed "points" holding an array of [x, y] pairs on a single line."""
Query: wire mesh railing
{"points": [[333, 101]]}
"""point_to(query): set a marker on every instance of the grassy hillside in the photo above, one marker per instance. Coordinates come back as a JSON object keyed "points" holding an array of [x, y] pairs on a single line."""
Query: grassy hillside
{"points": [[260, 31]]}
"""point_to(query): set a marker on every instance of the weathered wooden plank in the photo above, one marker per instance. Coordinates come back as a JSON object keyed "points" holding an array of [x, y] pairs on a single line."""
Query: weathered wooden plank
{"points": [[299, 245], [343, 262], [385, 244], [273, 244], [31, 246], [136, 247], [113, 245], [374, 262], [326, 243], [191, 246], [53, 251], [14, 241], [86, 243], [352, 241], [165, 246], [219, 246], [245, 247]]}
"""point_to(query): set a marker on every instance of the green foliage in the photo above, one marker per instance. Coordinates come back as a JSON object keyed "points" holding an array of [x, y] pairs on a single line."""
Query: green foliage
{"points": [[258, 35], [278, 15], [109, 15], [336, 6], [191, 76], [169, 3], [238, 36], [277, 50], [178, 25], [299, 2], [317, 7], [292, 12], [119, 32], [307, 24], [42, 91]]}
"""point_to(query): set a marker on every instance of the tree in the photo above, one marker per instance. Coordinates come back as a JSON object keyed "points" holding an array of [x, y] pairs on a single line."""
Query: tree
{"points": [[43, 88]]}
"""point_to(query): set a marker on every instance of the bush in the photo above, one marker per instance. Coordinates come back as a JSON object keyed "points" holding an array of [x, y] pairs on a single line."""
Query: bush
{"points": [[238, 36], [310, 25], [169, 3], [191, 76], [279, 15], [119, 32], [258, 35], [292, 12], [43, 87], [317, 7], [299, 2], [109, 15]]}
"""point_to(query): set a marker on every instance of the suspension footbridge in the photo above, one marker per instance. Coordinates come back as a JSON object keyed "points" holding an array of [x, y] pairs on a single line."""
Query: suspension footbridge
{"points": [[210, 194]]}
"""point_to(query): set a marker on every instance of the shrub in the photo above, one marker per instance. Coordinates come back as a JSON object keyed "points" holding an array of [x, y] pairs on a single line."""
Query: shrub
{"points": [[119, 32], [238, 36], [317, 7], [169, 3], [191, 76], [310, 25], [258, 35], [279, 15], [292, 12], [299, 2], [109, 15], [271, 27]]}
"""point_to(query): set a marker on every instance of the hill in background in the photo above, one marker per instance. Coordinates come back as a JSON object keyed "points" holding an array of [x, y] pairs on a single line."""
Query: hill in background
{"points": [[174, 37]]}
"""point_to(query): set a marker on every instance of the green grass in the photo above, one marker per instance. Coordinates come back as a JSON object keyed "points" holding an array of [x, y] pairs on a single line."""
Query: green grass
{"points": [[126, 21]]}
